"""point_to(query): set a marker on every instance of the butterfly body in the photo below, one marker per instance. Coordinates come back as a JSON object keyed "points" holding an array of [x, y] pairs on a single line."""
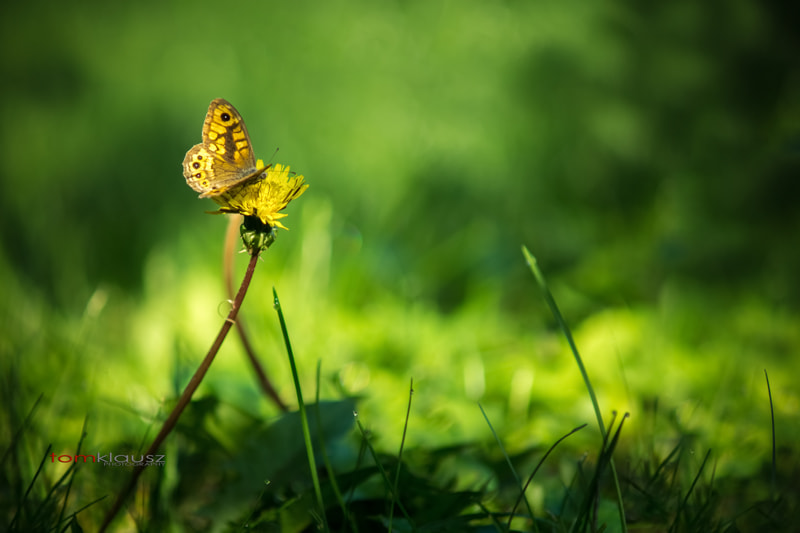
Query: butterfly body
{"points": [[225, 159]]}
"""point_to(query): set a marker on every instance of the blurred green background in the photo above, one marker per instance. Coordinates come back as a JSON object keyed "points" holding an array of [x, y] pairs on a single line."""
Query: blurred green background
{"points": [[647, 154]]}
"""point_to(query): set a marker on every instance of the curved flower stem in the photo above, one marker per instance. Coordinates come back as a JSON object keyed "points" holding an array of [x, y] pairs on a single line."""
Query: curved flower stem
{"points": [[190, 389], [231, 238]]}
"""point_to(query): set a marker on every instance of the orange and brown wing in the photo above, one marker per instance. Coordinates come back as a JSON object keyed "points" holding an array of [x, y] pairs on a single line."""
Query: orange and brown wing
{"points": [[225, 157]]}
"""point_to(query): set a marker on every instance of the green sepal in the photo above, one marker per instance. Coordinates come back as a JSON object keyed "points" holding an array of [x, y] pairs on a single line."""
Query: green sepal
{"points": [[256, 235]]}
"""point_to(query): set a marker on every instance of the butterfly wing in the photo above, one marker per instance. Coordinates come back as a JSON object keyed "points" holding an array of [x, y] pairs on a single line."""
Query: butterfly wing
{"points": [[225, 157]]}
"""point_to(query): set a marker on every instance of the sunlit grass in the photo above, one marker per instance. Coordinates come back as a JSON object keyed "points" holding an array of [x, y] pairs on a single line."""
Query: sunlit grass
{"points": [[637, 359]]}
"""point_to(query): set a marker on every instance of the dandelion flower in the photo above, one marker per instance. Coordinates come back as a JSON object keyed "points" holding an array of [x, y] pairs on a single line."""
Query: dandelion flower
{"points": [[265, 196]]}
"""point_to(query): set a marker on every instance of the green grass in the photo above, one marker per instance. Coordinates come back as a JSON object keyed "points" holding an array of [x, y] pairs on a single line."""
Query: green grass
{"points": [[229, 470]]}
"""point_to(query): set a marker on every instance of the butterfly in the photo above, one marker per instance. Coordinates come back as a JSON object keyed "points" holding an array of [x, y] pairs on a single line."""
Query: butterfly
{"points": [[225, 159]]}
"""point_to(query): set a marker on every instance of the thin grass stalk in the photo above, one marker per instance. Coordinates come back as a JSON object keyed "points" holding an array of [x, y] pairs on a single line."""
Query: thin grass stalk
{"points": [[362, 453], [530, 479], [685, 501], [69, 473], [569, 501], [537, 273], [18, 434], [74, 516], [495, 522], [323, 450], [69, 485], [11, 451], [312, 463], [385, 477], [191, 387], [21, 508], [400, 454], [511, 468], [772, 488], [589, 512], [244, 526]]}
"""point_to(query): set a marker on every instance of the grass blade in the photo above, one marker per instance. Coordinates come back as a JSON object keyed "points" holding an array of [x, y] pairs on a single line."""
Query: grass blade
{"points": [[774, 460], [325, 459], [395, 496], [513, 472], [400, 454], [530, 478], [537, 273], [312, 463]]}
